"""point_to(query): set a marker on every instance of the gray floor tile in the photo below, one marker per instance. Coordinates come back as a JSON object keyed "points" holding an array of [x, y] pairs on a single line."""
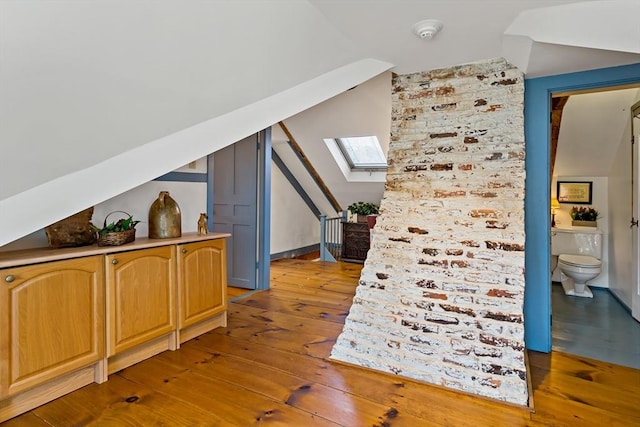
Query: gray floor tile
{"points": [[599, 328]]}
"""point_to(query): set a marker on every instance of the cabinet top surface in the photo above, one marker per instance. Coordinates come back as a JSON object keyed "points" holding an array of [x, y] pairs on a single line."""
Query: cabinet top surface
{"points": [[37, 255]]}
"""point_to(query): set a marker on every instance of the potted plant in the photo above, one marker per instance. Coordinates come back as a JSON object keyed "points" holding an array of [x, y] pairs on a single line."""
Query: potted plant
{"points": [[583, 216], [362, 209], [116, 233]]}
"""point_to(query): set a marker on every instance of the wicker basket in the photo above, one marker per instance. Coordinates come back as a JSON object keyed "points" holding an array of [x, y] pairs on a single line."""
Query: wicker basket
{"points": [[116, 238]]}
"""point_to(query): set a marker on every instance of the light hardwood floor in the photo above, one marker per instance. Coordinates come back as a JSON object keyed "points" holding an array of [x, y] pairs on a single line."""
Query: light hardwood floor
{"points": [[269, 367], [233, 293]]}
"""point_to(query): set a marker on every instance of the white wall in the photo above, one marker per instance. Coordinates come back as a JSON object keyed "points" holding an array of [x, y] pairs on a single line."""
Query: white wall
{"points": [[362, 111], [190, 196], [600, 202], [293, 225], [592, 128], [620, 241]]}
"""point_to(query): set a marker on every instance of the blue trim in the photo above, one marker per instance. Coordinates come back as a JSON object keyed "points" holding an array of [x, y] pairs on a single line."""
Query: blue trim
{"points": [[210, 194], [183, 177], [264, 208], [294, 183], [327, 256], [537, 299], [323, 237]]}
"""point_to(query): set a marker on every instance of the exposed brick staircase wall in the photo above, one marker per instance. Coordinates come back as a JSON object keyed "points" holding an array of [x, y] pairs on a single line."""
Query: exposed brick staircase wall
{"points": [[441, 294]]}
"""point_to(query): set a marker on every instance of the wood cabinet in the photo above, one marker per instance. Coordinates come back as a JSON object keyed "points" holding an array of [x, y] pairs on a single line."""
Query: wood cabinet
{"points": [[355, 241], [202, 278], [70, 317], [51, 321], [141, 289]]}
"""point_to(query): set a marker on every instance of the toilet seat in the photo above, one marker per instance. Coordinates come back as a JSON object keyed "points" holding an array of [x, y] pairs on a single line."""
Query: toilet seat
{"points": [[582, 261]]}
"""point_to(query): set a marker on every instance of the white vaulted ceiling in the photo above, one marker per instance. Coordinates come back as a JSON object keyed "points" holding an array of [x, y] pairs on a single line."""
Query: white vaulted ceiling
{"points": [[99, 97], [479, 29]]}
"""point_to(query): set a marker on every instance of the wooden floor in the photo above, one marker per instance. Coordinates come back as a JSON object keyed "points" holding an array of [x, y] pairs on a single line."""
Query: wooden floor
{"points": [[269, 367], [233, 293]]}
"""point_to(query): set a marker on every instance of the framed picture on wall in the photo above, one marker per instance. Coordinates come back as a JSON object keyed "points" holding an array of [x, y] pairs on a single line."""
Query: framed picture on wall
{"points": [[578, 193]]}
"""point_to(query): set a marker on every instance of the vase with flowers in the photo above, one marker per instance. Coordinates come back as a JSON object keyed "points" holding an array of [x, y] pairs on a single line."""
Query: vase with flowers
{"points": [[584, 216]]}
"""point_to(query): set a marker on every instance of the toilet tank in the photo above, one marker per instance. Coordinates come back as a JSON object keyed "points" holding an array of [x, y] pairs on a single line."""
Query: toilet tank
{"points": [[577, 241]]}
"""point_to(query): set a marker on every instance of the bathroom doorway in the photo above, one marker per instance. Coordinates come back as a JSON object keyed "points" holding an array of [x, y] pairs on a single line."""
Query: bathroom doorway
{"points": [[537, 303], [603, 327]]}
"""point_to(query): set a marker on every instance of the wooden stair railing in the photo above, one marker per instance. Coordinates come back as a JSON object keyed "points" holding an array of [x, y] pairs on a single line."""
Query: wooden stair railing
{"points": [[312, 171]]}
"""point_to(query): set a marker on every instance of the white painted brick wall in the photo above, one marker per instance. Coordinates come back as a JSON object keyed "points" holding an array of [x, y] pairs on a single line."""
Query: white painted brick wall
{"points": [[441, 294]]}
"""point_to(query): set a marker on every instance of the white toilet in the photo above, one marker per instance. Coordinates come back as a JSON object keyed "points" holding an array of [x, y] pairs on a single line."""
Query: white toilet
{"points": [[579, 251]]}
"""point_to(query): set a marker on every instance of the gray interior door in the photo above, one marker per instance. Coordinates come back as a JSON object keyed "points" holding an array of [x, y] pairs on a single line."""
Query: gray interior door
{"points": [[235, 208]]}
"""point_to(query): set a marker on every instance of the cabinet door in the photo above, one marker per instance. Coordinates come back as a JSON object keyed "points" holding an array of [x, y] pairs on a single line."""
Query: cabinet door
{"points": [[51, 321], [141, 291], [202, 272], [355, 241]]}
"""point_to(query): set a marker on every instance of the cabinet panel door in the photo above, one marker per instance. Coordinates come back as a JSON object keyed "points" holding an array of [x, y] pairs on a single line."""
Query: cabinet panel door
{"points": [[355, 241], [203, 280], [51, 321], [141, 287]]}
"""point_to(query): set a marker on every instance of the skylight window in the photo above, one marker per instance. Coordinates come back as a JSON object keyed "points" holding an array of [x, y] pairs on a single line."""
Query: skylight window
{"points": [[362, 152]]}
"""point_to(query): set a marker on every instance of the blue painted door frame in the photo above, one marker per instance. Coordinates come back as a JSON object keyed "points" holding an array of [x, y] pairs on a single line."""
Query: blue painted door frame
{"points": [[537, 113], [264, 208]]}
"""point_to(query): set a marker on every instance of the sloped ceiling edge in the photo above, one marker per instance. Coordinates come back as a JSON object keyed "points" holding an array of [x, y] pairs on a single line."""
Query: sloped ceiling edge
{"points": [[40, 206]]}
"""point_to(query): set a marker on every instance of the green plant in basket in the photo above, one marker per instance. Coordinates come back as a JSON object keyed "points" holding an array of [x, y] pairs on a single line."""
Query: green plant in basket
{"points": [[122, 224], [117, 232]]}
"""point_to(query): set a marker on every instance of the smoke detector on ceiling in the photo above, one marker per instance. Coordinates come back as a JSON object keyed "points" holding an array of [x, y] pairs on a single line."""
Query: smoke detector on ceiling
{"points": [[428, 28]]}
